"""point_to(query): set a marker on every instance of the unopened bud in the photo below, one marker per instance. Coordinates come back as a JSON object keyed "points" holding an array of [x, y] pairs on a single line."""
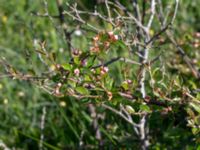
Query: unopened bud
{"points": [[59, 84], [109, 95], [58, 66], [96, 38]]}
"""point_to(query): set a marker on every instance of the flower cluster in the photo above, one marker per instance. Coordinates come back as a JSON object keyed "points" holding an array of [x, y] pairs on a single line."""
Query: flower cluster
{"points": [[102, 41]]}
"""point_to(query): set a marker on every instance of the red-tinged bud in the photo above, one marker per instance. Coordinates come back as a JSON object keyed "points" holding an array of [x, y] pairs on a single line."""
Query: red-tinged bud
{"points": [[196, 44], [197, 34], [147, 98], [106, 44], [110, 33], [109, 95], [95, 49], [113, 37], [96, 38]]}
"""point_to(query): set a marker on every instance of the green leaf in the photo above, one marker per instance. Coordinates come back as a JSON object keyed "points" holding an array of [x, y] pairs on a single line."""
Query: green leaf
{"points": [[195, 130], [129, 109], [76, 60], [145, 108], [56, 78], [196, 107], [72, 83], [67, 66], [121, 44], [82, 90], [125, 85], [87, 78], [197, 120]]}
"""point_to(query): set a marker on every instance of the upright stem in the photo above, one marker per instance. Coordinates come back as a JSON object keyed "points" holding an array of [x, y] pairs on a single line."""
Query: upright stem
{"points": [[143, 128]]}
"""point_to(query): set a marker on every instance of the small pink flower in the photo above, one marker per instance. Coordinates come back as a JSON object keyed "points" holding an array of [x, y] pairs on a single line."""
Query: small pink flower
{"points": [[197, 34], [110, 33], [104, 70], [129, 81], [116, 37], [77, 72]]}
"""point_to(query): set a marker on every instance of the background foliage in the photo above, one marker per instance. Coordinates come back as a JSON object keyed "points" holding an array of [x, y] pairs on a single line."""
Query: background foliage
{"points": [[68, 122]]}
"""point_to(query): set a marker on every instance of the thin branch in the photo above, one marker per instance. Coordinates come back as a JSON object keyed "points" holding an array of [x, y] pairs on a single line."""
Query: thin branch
{"points": [[153, 4], [158, 34], [175, 11], [120, 114], [126, 60]]}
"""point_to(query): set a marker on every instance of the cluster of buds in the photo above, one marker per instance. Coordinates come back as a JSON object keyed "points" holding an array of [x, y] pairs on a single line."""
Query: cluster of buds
{"points": [[196, 42], [96, 41], [100, 43], [95, 49], [113, 37]]}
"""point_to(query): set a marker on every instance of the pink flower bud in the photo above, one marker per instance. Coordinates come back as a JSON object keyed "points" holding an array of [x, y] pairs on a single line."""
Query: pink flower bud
{"points": [[110, 33], [59, 84], [76, 52], [129, 81], [116, 37], [77, 72], [104, 70]]}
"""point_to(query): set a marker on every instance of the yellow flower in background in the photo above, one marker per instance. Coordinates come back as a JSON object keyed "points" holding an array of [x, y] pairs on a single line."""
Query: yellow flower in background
{"points": [[1, 86], [5, 101], [4, 19], [63, 104]]}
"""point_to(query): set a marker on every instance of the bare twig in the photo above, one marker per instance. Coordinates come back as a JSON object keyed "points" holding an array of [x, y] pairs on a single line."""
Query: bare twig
{"points": [[120, 114], [42, 124]]}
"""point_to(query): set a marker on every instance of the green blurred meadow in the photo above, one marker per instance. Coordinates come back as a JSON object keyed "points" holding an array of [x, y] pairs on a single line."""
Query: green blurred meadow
{"points": [[22, 103]]}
